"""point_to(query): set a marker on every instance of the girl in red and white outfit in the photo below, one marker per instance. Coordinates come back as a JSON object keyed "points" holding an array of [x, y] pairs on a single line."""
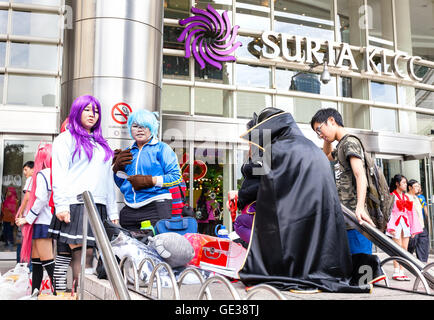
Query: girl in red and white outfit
{"points": [[403, 222], [36, 241]]}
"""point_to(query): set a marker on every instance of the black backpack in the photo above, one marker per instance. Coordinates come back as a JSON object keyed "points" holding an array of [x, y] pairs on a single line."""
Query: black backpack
{"points": [[379, 201]]}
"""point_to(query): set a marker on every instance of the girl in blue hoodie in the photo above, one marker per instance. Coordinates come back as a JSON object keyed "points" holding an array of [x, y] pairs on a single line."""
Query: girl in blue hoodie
{"points": [[152, 168]]}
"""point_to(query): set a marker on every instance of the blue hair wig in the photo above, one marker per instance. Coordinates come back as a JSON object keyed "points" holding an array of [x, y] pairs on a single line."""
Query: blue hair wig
{"points": [[144, 118]]}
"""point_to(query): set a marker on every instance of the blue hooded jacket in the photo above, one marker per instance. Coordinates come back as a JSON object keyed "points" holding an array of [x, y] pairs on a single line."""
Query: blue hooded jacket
{"points": [[157, 159]]}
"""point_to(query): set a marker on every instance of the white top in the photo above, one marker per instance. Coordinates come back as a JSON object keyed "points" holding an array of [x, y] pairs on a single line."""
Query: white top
{"points": [[72, 178], [27, 185], [40, 212]]}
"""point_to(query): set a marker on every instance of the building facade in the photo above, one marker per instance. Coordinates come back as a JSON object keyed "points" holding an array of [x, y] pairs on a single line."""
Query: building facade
{"points": [[380, 55]]}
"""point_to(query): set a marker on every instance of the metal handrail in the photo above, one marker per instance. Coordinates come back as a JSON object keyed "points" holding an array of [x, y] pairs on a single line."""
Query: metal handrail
{"points": [[386, 244], [108, 257]]}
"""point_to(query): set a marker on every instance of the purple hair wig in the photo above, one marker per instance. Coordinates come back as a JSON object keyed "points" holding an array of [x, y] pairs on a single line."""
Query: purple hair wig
{"points": [[81, 136]]}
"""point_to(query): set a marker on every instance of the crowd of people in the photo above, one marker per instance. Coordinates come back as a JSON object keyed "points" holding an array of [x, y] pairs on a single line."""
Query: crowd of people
{"points": [[291, 219]]}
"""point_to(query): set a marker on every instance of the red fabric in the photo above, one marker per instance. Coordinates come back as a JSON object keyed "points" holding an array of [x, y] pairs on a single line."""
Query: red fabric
{"points": [[403, 203], [26, 247]]}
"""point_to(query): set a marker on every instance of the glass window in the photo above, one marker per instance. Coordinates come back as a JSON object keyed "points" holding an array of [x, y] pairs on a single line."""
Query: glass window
{"points": [[249, 102], [305, 109], [424, 99], [176, 9], [351, 19], [379, 14], [2, 80], [303, 19], [176, 68], [353, 88], [407, 96], [383, 92], [251, 47], [214, 75], [26, 55], [16, 153], [3, 21], [176, 99], [425, 124], [170, 36], [384, 119], [219, 5], [253, 76], [43, 2], [253, 14], [417, 16], [213, 102], [2, 54], [355, 116], [304, 81], [32, 91], [35, 24]]}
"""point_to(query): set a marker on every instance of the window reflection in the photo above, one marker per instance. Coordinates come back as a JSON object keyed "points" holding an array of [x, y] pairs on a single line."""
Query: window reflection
{"points": [[379, 14], [2, 54], [253, 14], [253, 76], [356, 116], [304, 81], [249, 102], [42, 2], [351, 22], [26, 55], [384, 119], [35, 24], [314, 19], [176, 99], [175, 67], [3, 21], [383, 92], [425, 124], [31, 90], [213, 102], [176, 9], [170, 36]]}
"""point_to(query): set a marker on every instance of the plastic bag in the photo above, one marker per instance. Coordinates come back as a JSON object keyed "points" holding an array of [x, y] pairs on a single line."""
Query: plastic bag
{"points": [[14, 284]]}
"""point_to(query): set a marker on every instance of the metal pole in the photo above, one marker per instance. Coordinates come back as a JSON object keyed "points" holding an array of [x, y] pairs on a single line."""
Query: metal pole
{"points": [[110, 263], [83, 252], [385, 243]]}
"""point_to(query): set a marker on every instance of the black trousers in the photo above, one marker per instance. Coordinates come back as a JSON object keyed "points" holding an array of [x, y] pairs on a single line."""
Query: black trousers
{"points": [[130, 218], [420, 243]]}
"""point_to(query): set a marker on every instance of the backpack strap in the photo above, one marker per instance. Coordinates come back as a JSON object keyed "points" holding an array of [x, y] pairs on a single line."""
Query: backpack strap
{"points": [[340, 154]]}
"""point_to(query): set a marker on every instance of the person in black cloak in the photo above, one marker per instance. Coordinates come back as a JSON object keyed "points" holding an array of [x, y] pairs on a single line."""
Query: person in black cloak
{"points": [[299, 241]]}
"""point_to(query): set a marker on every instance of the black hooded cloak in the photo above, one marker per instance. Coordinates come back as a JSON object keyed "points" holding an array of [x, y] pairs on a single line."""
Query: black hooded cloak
{"points": [[299, 240]]}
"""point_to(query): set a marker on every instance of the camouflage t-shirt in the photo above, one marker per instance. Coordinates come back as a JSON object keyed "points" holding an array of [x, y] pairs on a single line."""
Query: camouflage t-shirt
{"points": [[345, 180]]}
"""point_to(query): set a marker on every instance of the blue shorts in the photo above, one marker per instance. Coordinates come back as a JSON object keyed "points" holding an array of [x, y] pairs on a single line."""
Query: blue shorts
{"points": [[358, 242], [40, 231]]}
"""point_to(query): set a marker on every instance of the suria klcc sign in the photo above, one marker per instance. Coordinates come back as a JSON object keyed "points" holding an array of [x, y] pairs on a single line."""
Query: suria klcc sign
{"points": [[210, 38], [276, 46]]}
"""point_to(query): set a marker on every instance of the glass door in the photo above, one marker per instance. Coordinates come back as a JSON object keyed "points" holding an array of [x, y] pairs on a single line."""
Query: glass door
{"points": [[16, 151]]}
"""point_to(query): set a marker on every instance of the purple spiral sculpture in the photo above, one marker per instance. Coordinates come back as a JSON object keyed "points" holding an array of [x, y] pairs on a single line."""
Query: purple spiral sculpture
{"points": [[209, 36]]}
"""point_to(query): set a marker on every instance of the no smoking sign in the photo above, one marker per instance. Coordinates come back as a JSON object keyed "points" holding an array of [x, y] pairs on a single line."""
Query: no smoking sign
{"points": [[121, 112]]}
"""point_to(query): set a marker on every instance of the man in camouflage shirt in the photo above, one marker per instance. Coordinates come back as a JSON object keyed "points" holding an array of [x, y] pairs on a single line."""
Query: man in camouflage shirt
{"points": [[351, 181]]}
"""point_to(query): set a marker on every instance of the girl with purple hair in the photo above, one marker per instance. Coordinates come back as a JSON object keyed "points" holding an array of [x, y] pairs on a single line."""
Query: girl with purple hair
{"points": [[82, 162]]}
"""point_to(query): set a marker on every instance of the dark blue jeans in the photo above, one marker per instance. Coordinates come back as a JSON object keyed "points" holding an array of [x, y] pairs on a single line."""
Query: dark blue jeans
{"points": [[8, 232]]}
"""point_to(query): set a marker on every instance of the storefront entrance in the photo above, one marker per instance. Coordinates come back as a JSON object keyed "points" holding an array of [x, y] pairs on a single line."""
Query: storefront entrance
{"points": [[16, 151]]}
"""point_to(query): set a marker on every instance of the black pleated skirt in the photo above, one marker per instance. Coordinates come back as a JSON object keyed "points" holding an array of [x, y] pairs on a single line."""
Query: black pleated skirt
{"points": [[72, 233]]}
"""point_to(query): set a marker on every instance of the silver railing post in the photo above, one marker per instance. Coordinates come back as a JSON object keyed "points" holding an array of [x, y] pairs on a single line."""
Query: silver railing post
{"points": [[108, 258]]}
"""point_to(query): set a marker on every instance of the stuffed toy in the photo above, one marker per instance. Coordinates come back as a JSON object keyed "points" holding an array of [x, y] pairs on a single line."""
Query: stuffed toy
{"points": [[173, 248]]}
